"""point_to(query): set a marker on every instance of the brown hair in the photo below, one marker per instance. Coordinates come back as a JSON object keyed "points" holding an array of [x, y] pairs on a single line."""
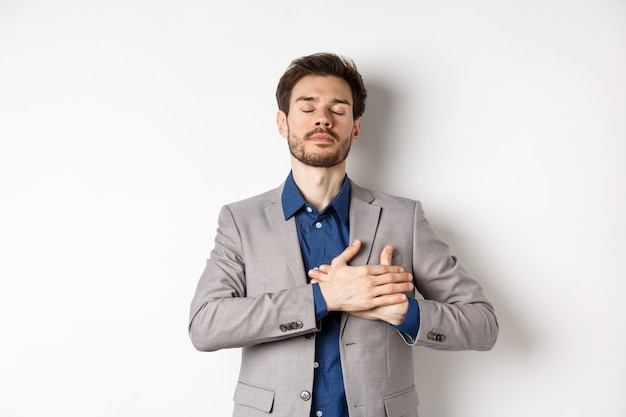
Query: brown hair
{"points": [[322, 64]]}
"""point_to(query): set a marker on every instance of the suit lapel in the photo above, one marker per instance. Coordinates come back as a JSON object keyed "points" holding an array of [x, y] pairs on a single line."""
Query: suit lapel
{"points": [[364, 218], [287, 238]]}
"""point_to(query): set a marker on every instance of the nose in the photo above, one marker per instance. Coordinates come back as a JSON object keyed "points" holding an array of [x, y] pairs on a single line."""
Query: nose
{"points": [[323, 120]]}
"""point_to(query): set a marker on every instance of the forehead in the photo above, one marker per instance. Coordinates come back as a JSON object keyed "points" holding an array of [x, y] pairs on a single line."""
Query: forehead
{"points": [[322, 87]]}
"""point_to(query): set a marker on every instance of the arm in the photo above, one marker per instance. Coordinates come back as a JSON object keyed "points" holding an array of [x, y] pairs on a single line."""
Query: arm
{"points": [[223, 311], [454, 314]]}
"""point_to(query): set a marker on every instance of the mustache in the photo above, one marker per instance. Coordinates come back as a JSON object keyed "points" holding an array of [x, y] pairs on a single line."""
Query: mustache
{"points": [[319, 130]]}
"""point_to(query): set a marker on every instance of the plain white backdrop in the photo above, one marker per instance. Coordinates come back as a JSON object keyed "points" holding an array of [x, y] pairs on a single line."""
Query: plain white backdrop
{"points": [[126, 124]]}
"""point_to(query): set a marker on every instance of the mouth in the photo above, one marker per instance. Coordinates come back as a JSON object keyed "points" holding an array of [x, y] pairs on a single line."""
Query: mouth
{"points": [[321, 136]]}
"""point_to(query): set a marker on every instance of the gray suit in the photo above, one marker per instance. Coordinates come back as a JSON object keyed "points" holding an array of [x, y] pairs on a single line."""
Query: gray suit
{"points": [[253, 294]]}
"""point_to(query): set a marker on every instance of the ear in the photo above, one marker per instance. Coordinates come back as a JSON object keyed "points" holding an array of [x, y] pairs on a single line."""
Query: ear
{"points": [[281, 123], [356, 129]]}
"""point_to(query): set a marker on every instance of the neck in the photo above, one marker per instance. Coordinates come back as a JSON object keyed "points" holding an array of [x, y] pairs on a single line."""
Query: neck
{"points": [[319, 186]]}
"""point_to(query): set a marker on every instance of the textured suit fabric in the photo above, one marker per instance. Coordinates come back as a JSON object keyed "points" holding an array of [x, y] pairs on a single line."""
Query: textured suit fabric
{"points": [[253, 294]]}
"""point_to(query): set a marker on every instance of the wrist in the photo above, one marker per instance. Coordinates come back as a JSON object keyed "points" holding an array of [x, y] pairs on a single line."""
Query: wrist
{"points": [[400, 314], [325, 293]]}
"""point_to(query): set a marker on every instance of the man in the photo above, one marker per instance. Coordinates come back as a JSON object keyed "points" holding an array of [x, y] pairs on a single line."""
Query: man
{"points": [[316, 279]]}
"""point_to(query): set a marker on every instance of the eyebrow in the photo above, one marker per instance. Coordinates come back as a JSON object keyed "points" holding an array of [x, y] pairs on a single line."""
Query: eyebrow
{"points": [[315, 99]]}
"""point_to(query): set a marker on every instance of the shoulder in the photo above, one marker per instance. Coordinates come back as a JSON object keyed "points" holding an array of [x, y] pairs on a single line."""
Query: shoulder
{"points": [[256, 202], [382, 199]]}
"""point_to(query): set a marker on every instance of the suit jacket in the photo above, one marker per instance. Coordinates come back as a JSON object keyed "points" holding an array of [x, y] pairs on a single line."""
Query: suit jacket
{"points": [[254, 294]]}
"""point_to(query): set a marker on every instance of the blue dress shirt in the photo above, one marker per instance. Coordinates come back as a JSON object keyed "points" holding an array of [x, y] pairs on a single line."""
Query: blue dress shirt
{"points": [[322, 236]]}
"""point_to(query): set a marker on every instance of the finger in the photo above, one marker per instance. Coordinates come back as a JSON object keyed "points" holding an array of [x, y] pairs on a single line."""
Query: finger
{"points": [[349, 252], [320, 278], [389, 299], [316, 275], [390, 289], [391, 278], [386, 255], [384, 269], [313, 273], [324, 268]]}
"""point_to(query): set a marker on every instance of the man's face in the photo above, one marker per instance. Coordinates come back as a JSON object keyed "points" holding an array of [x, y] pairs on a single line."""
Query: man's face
{"points": [[320, 126]]}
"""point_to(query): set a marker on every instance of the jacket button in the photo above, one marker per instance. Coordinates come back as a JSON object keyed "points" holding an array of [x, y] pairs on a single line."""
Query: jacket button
{"points": [[283, 328], [305, 395], [436, 336], [299, 324]]}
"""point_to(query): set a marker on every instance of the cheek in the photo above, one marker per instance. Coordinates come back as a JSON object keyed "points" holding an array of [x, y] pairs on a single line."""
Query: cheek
{"points": [[297, 124], [348, 131]]}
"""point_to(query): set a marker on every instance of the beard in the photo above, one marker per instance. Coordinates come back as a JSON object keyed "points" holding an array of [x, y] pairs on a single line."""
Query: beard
{"points": [[321, 158]]}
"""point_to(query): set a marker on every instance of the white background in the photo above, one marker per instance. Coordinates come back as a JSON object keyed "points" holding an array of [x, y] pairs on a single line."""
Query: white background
{"points": [[126, 124]]}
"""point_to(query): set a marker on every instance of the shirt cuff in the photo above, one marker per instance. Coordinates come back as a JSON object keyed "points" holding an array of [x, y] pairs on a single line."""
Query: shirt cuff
{"points": [[320, 304], [411, 324]]}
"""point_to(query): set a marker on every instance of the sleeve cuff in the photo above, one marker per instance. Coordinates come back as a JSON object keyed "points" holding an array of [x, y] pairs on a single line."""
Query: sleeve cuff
{"points": [[320, 304], [411, 324]]}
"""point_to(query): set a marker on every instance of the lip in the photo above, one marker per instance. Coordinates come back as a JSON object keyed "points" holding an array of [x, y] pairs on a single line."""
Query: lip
{"points": [[321, 137]]}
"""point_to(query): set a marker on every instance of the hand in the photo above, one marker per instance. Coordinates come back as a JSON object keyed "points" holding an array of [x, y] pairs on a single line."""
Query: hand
{"points": [[393, 314], [359, 289]]}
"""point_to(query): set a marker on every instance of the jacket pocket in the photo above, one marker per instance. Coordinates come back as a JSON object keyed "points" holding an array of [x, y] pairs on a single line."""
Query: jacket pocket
{"points": [[254, 396], [402, 404]]}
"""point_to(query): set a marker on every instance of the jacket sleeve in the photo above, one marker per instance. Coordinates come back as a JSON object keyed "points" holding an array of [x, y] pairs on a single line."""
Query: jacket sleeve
{"points": [[230, 310], [454, 312]]}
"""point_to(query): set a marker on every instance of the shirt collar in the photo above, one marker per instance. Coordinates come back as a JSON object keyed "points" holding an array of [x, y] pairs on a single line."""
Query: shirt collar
{"points": [[293, 201]]}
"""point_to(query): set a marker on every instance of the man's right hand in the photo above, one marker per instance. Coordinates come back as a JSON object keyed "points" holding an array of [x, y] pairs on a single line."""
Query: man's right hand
{"points": [[360, 288]]}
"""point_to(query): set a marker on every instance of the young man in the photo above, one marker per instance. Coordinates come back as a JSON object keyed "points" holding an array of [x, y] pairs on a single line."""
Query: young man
{"points": [[316, 279]]}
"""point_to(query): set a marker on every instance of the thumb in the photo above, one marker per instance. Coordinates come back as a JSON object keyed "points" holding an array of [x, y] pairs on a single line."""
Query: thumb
{"points": [[348, 253], [386, 255]]}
